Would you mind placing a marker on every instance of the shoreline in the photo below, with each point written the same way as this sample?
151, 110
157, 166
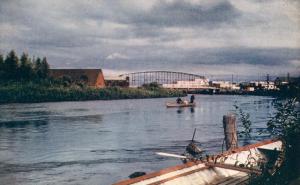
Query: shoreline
36, 93
10, 103
275, 94
32, 92
122, 98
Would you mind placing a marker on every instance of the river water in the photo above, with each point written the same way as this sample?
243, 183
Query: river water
101, 142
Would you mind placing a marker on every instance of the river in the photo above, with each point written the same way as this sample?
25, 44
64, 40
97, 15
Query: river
101, 142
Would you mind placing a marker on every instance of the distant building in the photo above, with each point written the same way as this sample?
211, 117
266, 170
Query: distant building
198, 83
250, 89
258, 85
92, 77
224, 85
279, 81
263, 85
117, 82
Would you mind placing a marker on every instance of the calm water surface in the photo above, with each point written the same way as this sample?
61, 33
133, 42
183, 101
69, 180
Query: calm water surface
101, 142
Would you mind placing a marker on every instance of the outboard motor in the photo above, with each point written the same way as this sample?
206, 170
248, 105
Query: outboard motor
192, 151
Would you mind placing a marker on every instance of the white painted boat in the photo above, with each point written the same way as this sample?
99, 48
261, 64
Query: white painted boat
230, 167
174, 104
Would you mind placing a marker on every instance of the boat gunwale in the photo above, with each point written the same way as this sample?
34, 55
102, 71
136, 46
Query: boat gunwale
172, 104
158, 173
192, 163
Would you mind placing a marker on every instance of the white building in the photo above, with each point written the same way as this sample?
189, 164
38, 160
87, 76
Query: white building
264, 85
198, 83
225, 85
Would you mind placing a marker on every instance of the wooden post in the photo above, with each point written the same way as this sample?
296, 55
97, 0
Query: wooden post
230, 131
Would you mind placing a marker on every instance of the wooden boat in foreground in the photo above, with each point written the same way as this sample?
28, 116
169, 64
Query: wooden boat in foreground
174, 104
230, 167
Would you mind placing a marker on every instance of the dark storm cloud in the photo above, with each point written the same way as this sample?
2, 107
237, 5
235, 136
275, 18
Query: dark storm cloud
217, 56
251, 56
182, 13
176, 14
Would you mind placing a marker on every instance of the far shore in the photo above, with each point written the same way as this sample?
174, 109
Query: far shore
33, 93
39, 92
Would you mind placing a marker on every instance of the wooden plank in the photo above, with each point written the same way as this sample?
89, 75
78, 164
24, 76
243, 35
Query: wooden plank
236, 180
180, 175
230, 180
231, 167
220, 181
248, 147
243, 181
158, 173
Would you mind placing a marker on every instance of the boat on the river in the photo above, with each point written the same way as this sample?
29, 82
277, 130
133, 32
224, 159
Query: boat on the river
234, 166
183, 104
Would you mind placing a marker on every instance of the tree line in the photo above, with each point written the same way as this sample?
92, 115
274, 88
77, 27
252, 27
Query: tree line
13, 68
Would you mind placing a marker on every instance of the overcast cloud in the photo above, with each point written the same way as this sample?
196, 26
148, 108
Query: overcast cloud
199, 36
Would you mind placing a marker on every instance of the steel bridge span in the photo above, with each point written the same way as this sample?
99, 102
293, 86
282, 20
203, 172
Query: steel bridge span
137, 79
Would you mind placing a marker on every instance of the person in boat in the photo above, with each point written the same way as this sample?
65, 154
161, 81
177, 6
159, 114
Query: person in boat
179, 100
192, 98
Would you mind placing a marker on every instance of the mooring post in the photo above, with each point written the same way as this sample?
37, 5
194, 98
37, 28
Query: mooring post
230, 132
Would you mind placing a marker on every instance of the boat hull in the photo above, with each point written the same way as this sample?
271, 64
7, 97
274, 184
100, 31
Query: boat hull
223, 169
172, 104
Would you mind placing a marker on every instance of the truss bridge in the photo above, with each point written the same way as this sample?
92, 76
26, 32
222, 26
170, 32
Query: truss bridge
137, 79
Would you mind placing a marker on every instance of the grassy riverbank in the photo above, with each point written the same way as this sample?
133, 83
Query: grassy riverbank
29, 92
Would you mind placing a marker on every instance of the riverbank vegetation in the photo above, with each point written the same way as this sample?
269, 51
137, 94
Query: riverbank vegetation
46, 91
27, 80
290, 90
285, 125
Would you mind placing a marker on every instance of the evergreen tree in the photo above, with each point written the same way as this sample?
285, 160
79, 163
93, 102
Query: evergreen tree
44, 68
1, 67
11, 65
37, 68
1, 62
26, 71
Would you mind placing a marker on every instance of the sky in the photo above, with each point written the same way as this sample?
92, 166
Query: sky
207, 37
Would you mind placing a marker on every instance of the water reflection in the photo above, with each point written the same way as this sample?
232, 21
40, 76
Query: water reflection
23, 124
87, 118
179, 110
182, 109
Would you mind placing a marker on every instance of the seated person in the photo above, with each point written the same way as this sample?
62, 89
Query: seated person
179, 100
192, 99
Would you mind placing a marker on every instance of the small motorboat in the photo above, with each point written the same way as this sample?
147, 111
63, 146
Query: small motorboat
183, 104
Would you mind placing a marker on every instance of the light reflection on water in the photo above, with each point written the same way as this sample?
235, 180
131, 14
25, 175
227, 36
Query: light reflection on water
101, 142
